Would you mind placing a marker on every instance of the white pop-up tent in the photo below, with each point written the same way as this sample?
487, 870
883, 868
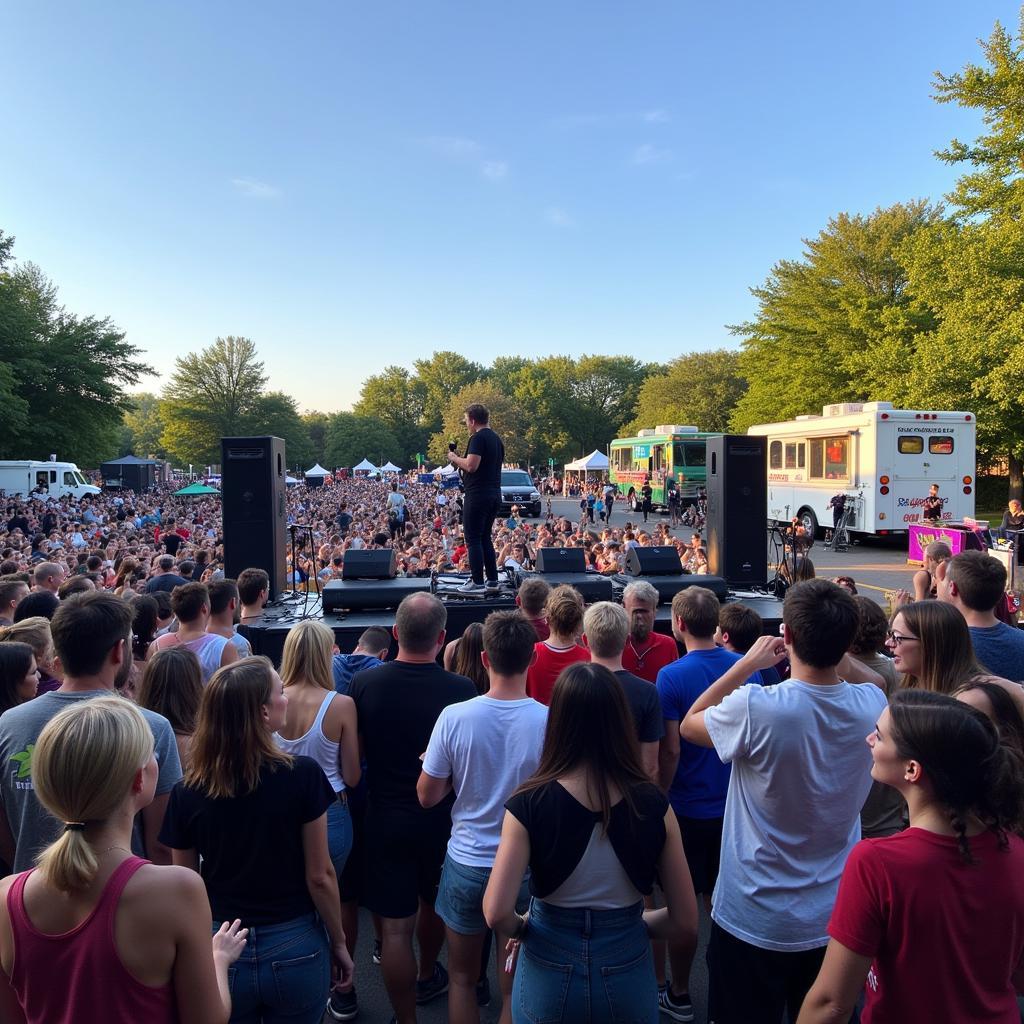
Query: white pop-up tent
315, 477
390, 467
366, 466
446, 470
588, 468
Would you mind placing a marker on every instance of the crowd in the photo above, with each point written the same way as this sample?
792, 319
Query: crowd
189, 832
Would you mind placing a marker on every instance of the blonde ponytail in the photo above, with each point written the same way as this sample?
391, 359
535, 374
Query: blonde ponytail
83, 765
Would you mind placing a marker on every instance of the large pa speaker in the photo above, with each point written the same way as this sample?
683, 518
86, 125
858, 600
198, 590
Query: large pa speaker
369, 564
561, 560
653, 561
591, 586
253, 505
737, 481
367, 595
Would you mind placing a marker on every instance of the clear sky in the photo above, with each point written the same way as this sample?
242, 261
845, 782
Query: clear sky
357, 184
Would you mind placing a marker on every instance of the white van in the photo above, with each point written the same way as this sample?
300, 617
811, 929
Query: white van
44, 480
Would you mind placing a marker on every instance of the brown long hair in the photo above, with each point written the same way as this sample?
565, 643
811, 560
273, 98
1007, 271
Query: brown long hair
467, 657
231, 743
947, 653
590, 726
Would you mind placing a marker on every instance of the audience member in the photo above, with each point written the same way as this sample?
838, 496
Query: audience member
165, 578
646, 652
224, 610
39, 603
532, 598
462, 656
13, 590
872, 631
19, 674
564, 612
172, 686
924, 581
371, 650
253, 592
36, 633
191, 604
931, 647
738, 627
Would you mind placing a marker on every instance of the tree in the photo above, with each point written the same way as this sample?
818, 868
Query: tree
143, 427
316, 426
439, 378
396, 397
350, 438
277, 414
211, 394
701, 388
508, 418
840, 324
63, 378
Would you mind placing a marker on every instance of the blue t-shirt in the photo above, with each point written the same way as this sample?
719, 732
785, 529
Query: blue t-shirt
345, 666
701, 780
1000, 649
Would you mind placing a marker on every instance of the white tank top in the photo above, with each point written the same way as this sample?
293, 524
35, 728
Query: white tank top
316, 745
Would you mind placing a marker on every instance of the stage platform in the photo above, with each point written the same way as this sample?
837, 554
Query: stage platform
267, 633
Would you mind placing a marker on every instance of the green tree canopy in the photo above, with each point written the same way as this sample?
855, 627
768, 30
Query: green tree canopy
276, 413
508, 418
396, 397
441, 377
350, 438
143, 426
701, 389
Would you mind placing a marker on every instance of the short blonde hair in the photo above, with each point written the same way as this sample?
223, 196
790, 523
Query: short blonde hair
83, 766
308, 654
607, 627
35, 632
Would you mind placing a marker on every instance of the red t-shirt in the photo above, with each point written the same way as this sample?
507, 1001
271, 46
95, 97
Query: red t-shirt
647, 659
945, 936
540, 680
540, 627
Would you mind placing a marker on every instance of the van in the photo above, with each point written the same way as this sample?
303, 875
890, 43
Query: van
46, 479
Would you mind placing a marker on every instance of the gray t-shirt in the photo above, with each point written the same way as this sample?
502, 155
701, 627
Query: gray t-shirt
32, 826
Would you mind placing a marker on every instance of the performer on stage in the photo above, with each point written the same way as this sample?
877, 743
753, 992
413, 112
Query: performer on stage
481, 480
931, 510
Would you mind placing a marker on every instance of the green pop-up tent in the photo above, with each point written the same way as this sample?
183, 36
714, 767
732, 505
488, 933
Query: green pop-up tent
196, 489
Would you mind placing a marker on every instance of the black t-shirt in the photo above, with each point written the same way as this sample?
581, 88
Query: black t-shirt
931, 508
344, 520
165, 581
560, 828
485, 443
397, 705
645, 704
172, 541
646, 492
253, 863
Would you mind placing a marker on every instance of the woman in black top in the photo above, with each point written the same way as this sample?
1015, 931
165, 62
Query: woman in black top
594, 832
258, 819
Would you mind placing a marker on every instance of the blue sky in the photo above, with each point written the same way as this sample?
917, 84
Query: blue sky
352, 185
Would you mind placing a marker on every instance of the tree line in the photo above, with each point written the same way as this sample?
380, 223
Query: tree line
920, 303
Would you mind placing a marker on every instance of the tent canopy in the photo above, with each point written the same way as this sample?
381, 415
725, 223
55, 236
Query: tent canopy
132, 460
196, 489
447, 470
596, 460
291, 479
366, 464
318, 470
390, 467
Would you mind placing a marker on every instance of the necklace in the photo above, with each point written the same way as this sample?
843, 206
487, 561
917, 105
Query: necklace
639, 655
109, 848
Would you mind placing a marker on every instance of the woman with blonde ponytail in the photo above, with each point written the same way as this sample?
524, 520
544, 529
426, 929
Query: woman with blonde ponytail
128, 940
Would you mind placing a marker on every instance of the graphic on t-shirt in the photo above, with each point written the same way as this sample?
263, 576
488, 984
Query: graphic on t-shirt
24, 763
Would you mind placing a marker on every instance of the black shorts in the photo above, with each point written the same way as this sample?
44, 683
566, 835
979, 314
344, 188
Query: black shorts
350, 884
771, 980
404, 855
702, 844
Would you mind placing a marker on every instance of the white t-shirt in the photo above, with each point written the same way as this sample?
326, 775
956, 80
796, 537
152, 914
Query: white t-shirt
800, 774
488, 747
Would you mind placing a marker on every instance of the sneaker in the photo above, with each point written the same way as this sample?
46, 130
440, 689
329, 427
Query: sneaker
469, 587
483, 992
376, 952
492, 586
676, 1007
343, 1005
436, 985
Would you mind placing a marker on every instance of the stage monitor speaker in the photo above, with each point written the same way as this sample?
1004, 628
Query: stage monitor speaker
253, 507
653, 561
364, 595
369, 564
561, 560
737, 482
591, 586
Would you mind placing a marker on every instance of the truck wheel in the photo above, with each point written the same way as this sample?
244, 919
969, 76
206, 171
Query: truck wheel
809, 521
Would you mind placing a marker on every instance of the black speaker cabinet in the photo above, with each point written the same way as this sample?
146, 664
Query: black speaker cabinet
591, 586
653, 561
369, 564
561, 560
253, 503
370, 595
737, 468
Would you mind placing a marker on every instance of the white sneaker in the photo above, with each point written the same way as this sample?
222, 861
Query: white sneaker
492, 586
469, 587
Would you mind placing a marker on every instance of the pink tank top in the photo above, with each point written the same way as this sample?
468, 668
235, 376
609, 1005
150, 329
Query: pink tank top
78, 977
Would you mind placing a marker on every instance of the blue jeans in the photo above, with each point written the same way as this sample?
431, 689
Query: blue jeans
339, 835
283, 975
585, 966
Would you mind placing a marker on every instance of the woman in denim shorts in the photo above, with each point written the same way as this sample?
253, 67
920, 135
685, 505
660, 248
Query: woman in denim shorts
594, 832
258, 819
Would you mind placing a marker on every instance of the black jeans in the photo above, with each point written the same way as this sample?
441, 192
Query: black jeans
478, 514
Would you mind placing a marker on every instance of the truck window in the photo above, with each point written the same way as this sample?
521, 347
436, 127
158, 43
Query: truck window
801, 455
791, 455
696, 454
775, 455
658, 456
910, 444
69, 479
42, 479
830, 458
940, 444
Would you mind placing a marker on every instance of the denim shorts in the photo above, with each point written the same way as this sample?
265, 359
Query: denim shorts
339, 835
585, 965
283, 975
460, 897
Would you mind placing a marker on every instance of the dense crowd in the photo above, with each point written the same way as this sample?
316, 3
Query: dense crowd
190, 832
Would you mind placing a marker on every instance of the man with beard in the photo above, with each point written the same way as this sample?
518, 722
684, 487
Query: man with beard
646, 651
92, 635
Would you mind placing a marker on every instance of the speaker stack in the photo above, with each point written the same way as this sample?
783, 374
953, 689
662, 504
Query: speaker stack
368, 583
569, 566
663, 569
253, 506
737, 482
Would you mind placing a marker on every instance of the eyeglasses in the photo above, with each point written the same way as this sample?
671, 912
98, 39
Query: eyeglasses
895, 639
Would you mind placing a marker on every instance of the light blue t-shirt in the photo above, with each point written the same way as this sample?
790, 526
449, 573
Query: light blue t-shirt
1000, 649
489, 748
801, 770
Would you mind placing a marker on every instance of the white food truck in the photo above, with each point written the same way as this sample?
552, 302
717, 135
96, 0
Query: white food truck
44, 479
883, 459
